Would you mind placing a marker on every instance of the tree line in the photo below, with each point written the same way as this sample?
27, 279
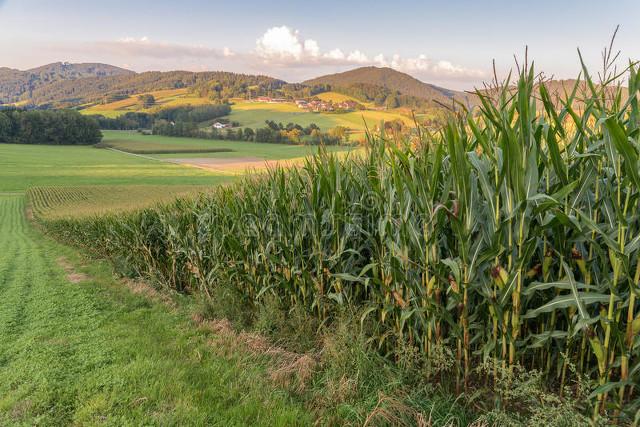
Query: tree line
275, 133
50, 127
176, 115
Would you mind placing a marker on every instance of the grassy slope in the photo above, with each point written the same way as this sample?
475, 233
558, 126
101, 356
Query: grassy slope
134, 140
253, 114
164, 98
94, 353
339, 97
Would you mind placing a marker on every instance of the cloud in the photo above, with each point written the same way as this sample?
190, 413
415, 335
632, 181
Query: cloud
335, 54
143, 46
280, 51
280, 43
357, 57
285, 47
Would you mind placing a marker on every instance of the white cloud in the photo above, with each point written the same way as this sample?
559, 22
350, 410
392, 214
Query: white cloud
335, 54
357, 57
280, 43
311, 48
380, 60
280, 51
285, 47
428, 68
145, 47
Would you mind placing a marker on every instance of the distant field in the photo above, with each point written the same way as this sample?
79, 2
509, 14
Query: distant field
126, 141
339, 97
164, 98
254, 115
25, 166
57, 202
151, 145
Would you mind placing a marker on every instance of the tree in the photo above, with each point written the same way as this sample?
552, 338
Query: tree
146, 101
316, 136
294, 135
5, 128
59, 127
338, 132
248, 134
392, 102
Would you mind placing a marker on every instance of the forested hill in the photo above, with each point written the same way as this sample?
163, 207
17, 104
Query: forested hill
388, 81
16, 85
63, 85
66, 93
95, 89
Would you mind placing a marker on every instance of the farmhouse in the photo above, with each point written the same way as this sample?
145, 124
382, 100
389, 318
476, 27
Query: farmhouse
270, 100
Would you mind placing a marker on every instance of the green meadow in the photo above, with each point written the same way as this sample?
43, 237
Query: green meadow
254, 115
81, 346
25, 166
172, 147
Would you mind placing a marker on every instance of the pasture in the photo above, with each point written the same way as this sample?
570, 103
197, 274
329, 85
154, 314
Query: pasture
164, 147
164, 99
25, 166
254, 115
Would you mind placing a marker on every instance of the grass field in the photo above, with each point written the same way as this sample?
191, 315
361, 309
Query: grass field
164, 98
25, 166
80, 349
339, 97
133, 141
254, 114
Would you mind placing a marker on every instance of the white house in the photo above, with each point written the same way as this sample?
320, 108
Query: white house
218, 125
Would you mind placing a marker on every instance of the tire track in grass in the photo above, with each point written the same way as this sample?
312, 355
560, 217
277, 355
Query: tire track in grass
93, 353
14, 251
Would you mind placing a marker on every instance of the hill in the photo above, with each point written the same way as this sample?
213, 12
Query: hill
211, 84
16, 85
63, 85
372, 82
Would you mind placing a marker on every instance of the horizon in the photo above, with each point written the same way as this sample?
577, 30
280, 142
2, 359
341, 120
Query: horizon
293, 42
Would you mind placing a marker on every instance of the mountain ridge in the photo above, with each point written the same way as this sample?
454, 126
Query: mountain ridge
14, 83
62, 84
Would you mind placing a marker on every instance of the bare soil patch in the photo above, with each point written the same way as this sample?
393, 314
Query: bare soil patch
140, 287
290, 370
72, 275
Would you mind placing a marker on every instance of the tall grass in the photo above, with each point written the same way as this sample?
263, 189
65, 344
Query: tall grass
512, 237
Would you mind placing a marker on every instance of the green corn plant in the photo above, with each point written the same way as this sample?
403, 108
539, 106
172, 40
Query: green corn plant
511, 235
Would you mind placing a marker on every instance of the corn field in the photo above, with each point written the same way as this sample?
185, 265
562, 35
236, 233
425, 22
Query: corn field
512, 236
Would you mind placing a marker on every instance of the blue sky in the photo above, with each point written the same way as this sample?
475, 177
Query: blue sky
449, 43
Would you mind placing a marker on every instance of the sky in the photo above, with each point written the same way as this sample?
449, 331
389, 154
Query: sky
448, 43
